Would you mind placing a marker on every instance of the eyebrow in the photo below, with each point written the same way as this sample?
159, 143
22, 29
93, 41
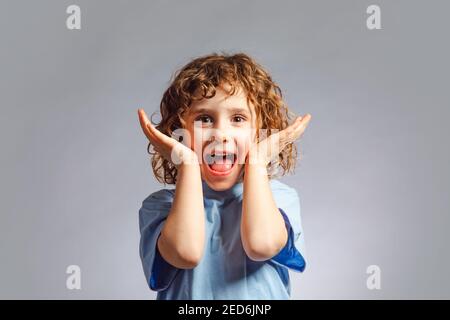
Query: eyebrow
230, 110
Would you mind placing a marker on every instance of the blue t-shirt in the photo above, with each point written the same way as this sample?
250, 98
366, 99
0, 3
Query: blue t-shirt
225, 271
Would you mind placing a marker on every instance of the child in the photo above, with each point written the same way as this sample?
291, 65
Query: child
228, 230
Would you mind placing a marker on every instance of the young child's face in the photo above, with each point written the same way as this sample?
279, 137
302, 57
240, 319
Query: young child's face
222, 125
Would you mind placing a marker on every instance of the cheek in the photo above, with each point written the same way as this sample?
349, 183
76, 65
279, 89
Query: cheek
201, 142
244, 140
196, 140
197, 145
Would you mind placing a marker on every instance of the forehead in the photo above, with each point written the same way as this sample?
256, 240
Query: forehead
222, 101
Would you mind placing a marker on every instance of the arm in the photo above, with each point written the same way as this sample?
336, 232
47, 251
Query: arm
182, 238
263, 231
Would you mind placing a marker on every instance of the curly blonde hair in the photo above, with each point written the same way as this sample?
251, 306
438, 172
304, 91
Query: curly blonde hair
199, 79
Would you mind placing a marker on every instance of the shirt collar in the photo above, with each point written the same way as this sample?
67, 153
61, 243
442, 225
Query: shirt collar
233, 192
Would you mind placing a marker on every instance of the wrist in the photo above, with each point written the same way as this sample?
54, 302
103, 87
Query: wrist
182, 157
255, 165
188, 168
254, 160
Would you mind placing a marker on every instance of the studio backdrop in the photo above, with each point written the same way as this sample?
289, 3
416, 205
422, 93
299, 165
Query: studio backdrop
373, 179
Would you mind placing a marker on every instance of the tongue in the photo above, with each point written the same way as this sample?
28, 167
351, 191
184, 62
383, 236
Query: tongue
221, 166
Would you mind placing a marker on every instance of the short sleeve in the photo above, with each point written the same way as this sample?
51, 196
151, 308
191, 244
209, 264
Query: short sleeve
293, 253
152, 215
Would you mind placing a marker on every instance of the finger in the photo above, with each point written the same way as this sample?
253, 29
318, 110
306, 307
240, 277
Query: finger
305, 121
158, 135
149, 127
302, 126
293, 127
307, 118
143, 119
288, 133
296, 121
296, 129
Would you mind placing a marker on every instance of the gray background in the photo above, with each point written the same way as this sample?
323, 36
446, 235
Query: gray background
374, 179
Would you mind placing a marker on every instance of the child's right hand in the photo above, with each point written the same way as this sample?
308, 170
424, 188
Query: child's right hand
169, 148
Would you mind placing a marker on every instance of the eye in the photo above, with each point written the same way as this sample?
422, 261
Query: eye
203, 118
239, 119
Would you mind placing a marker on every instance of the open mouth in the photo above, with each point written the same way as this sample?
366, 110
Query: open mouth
220, 163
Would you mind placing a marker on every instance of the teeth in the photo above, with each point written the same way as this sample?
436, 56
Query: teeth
222, 154
228, 155
219, 157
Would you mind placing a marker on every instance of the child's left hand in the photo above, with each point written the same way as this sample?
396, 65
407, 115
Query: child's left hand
269, 148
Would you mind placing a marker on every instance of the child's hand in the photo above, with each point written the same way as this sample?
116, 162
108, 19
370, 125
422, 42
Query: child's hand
169, 148
269, 148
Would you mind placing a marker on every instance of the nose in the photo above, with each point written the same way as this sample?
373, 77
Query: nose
220, 136
220, 131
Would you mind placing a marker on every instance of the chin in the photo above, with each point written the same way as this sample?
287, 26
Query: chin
222, 182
